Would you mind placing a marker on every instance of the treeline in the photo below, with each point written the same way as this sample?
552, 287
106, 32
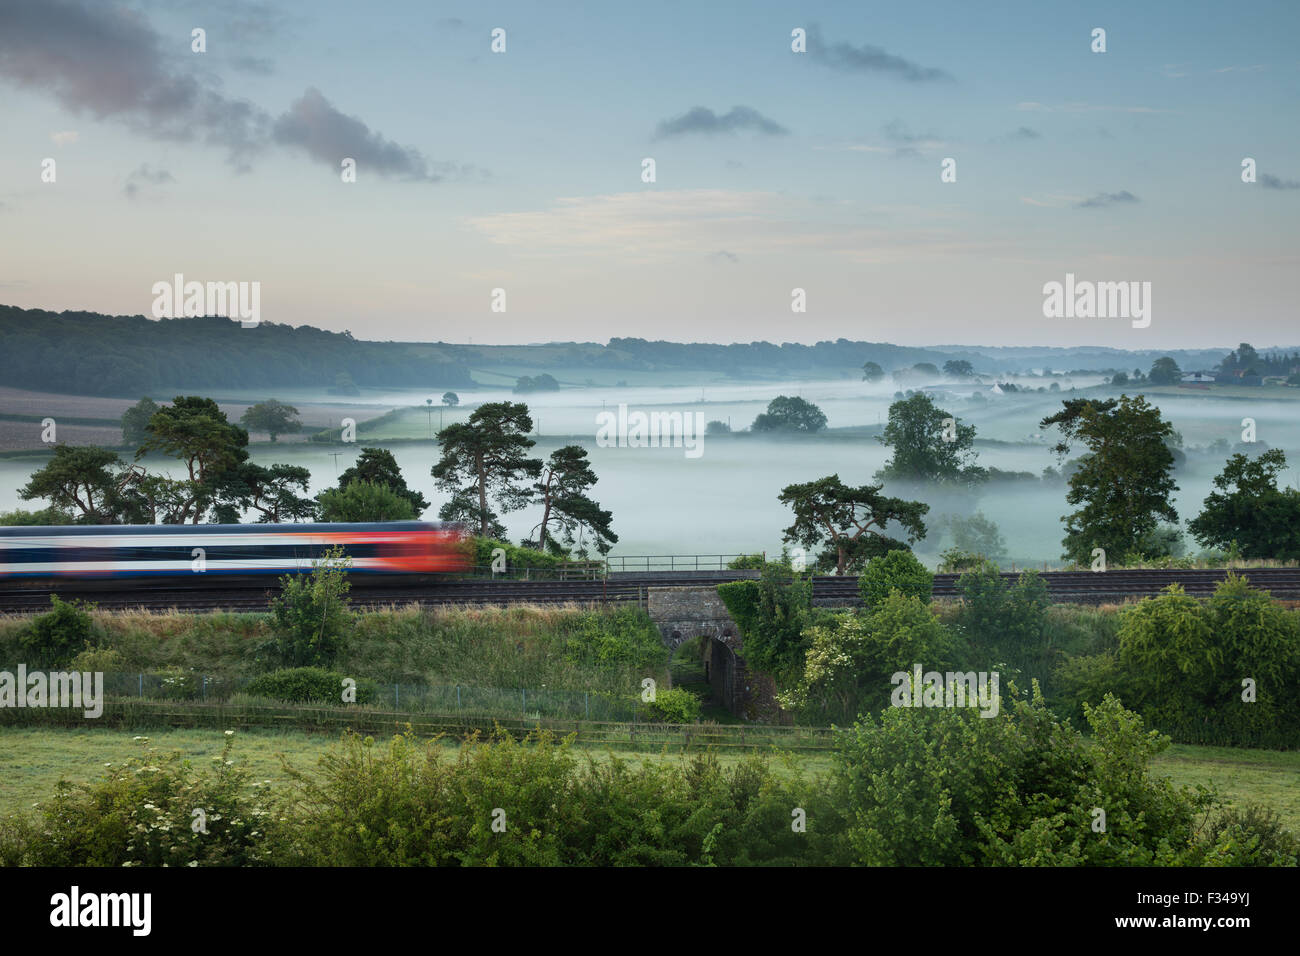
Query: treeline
87, 353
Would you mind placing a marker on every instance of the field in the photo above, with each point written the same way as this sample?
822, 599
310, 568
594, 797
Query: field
32, 761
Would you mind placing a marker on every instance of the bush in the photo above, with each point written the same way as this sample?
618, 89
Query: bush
894, 571
142, 813
310, 615
947, 787
673, 706
771, 614
56, 637
308, 685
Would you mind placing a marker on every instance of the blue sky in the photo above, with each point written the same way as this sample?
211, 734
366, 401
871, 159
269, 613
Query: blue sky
775, 170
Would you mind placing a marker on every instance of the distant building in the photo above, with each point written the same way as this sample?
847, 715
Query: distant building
1198, 377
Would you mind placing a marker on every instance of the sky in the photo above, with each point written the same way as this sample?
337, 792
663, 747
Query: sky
775, 170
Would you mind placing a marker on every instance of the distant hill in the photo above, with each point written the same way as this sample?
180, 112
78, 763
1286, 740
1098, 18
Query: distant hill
86, 353
92, 354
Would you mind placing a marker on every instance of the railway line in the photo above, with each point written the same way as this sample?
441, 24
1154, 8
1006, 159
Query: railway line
1081, 587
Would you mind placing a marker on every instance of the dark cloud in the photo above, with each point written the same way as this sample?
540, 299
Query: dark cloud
1269, 181
144, 176
1107, 199
1022, 134
868, 59
313, 125
107, 61
703, 120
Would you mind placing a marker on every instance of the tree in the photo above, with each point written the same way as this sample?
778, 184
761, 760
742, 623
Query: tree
790, 414
717, 428
562, 491
485, 457
343, 385
958, 368
268, 491
976, 535
196, 431
1249, 509
363, 501
929, 445
379, 466
542, 383
271, 417
1124, 483
81, 478
849, 522
1165, 371
135, 422
450, 399
871, 372
1119, 378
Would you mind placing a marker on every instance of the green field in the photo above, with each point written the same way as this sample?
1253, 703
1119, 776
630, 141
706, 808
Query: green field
32, 761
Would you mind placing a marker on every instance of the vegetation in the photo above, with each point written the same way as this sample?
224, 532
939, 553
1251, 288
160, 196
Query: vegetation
1124, 484
364, 501
310, 614
790, 414
929, 445
1249, 512
561, 490
124, 355
485, 458
848, 523
272, 417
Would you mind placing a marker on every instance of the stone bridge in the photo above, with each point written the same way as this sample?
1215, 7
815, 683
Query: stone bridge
684, 613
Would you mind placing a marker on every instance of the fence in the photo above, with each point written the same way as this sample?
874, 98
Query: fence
523, 702
670, 562
137, 713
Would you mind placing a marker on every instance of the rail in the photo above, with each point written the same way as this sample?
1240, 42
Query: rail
669, 562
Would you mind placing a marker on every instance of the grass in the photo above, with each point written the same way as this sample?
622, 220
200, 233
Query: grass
33, 760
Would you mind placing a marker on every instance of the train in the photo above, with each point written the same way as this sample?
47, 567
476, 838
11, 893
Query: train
231, 554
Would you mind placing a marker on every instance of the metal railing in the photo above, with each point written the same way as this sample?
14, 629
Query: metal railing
670, 562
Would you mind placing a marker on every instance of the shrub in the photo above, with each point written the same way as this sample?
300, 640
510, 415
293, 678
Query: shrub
57, 636
142, 813
308, 685
947, 787
771, 614
310, 615
894, 571
673, 706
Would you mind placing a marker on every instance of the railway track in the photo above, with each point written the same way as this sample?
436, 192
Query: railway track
828, 591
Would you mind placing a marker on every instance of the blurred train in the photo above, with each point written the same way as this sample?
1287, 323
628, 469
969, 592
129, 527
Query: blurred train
225, 554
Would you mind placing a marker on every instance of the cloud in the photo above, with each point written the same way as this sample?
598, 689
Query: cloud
1107, 199
144, 176
313, 125
108, 62
450, 23
703, 120
725, 255
65, 138
1269, 181
868, 59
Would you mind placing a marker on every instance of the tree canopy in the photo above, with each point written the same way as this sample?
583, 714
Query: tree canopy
848, 523
1124, 484
485, 457
929, 444
790, 414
